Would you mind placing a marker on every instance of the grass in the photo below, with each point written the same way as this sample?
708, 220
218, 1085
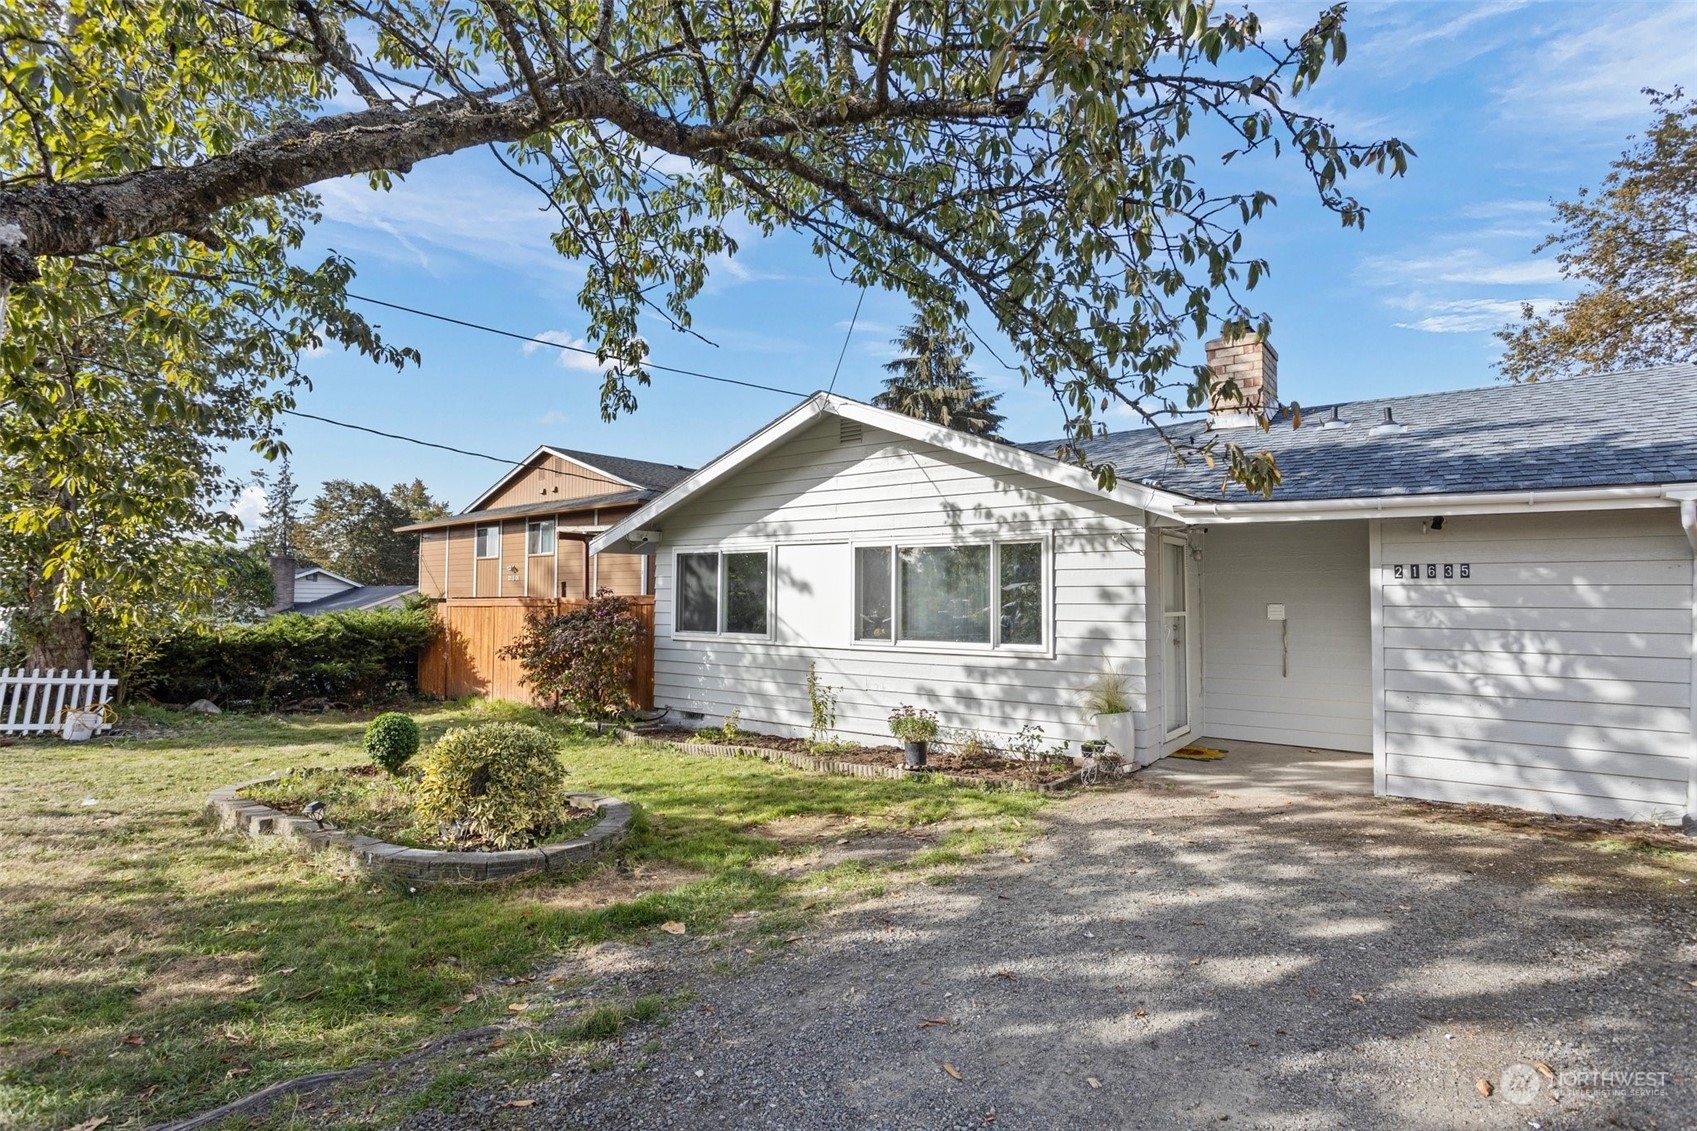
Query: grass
152, 967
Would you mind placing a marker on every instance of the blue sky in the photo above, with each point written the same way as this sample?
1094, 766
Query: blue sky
1507, 104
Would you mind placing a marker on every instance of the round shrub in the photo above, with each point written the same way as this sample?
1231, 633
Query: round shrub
391, 739
495, 783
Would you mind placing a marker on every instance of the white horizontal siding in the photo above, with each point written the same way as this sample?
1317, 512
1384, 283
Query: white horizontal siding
1318, 571
1557, 676
816, 490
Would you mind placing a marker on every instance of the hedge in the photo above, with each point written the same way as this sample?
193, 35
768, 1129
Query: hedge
353, 658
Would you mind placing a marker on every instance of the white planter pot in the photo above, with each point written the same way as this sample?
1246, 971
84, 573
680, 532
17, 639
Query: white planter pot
1120, 732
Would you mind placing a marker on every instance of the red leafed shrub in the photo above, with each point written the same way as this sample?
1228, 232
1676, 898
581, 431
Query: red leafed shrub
582, 660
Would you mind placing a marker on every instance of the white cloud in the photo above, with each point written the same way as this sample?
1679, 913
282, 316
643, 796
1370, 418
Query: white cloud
249, 507
451, 208
552, 418
1590, 67
1470, 316
571, 357
1469, 266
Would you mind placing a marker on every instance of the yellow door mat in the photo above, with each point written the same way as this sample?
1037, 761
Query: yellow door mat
1199, 754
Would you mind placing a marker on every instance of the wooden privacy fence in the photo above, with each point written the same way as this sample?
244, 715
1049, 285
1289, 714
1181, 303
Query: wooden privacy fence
35, 701
465, 658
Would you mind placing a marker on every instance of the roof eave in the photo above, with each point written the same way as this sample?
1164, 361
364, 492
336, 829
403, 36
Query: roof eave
1406, 506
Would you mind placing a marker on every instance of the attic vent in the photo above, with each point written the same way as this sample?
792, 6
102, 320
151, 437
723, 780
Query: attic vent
849, 432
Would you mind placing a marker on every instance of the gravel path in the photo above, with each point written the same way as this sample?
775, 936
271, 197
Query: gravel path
1168, 958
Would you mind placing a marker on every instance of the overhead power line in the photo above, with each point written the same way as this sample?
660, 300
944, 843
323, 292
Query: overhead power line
569, 348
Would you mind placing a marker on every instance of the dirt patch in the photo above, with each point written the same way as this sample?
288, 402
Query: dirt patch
1628, 835
195, 980
986, 766
618, 884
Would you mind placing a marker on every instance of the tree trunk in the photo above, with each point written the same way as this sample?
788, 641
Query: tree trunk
60, 640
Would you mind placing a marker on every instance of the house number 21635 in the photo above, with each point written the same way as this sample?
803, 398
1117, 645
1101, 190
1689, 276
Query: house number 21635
1431, 571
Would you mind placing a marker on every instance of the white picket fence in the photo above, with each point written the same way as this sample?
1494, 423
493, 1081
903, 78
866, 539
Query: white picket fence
35, 701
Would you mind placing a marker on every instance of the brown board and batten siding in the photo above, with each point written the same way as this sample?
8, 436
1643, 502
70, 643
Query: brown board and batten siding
551, 478
837, 483
1555, 676
512, 558
432, 563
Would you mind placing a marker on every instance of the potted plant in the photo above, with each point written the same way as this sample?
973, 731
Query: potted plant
915, 726
1106, 703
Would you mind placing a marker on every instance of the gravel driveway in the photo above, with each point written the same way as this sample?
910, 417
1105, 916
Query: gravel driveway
1169, 958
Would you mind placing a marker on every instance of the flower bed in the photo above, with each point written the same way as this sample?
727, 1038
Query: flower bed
367, 801
985, 769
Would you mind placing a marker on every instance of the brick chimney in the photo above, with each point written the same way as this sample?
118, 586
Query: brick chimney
282, 583
1254, 365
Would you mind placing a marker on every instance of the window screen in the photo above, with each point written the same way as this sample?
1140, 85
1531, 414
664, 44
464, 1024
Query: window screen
745, 592
872, 603
1020, 565
698, 592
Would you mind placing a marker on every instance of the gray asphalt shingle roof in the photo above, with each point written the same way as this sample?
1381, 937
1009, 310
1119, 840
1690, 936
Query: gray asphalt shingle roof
1607, 430
655, 476
356, 598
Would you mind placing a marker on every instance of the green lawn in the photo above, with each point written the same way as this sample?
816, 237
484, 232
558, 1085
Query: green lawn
152, 967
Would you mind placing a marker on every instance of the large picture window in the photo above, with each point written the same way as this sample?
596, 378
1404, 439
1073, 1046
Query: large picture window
981, 594
726, 593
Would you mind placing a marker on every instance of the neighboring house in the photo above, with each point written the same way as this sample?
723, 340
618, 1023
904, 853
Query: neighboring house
317, 590
520, 548
1489, 591
528, 535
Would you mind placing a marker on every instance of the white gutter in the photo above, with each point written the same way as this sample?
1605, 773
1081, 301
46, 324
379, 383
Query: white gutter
1403, 506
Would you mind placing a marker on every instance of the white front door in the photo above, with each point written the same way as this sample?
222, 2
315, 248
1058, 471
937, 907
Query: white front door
1176, 635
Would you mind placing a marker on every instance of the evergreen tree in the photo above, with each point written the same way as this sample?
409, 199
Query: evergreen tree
930, 381
279, 533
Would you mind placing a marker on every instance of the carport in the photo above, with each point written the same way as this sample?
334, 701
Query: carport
1269, 654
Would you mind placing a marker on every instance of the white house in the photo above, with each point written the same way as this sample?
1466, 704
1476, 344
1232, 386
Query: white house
316, 590
1489, 591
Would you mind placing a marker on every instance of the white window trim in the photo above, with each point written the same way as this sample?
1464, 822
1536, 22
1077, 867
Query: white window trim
479, 528
733, 548
553, 537
1044, 539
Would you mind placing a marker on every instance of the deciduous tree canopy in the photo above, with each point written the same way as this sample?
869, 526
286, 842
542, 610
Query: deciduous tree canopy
1632, 245
1043, 158
350, 529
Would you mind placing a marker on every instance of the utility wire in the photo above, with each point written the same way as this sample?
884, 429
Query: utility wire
846, 337
432, 444
581, 349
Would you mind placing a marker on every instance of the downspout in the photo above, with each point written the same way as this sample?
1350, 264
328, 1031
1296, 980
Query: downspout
1688, 520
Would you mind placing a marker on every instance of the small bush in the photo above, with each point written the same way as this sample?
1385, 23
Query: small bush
391, 739
582, 660
498, 784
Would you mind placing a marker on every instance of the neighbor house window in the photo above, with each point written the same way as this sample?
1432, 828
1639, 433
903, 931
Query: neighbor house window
539, 537
488, 541
727, 592
984, 594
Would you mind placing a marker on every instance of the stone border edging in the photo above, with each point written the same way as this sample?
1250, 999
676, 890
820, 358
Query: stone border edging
232, 811
832, 766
